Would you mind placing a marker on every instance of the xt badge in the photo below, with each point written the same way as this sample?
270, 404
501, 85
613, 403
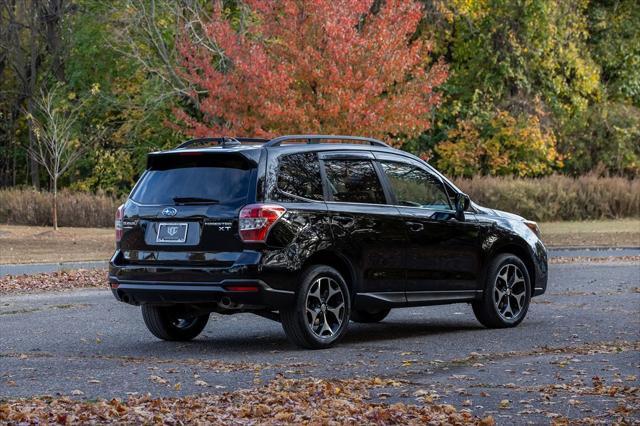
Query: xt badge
222, 226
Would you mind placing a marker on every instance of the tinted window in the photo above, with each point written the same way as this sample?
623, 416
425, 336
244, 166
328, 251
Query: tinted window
415, 187
354, 181
299, 174
223, 179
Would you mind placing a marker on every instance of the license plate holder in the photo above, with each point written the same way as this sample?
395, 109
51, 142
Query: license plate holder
172, 233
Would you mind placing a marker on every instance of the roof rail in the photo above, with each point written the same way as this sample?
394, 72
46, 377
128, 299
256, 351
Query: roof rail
318, 138
222, 141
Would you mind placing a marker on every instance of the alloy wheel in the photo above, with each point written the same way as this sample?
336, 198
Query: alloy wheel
325, 307
510, 290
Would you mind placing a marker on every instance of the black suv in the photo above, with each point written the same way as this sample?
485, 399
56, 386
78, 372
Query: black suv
313, 231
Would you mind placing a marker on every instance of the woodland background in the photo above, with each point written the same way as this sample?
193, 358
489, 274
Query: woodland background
521, 98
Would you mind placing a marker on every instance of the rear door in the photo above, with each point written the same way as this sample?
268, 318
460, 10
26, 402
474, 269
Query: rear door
365, 227
184, 209
443, 254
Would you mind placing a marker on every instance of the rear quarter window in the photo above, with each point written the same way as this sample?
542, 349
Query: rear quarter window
299, 175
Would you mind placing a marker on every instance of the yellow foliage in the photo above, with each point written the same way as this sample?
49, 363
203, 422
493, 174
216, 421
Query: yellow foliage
501, 145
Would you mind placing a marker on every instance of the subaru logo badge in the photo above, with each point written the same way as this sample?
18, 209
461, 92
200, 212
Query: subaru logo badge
169, 211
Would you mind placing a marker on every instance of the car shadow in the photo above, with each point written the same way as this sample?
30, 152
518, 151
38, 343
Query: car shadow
399, 330
273, 339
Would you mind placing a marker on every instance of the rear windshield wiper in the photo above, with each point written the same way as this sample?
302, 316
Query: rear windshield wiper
194, 200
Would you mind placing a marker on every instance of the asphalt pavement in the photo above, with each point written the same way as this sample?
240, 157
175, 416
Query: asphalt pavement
84, 344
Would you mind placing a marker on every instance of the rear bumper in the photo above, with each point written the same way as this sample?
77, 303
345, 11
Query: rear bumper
166, 284
141, 292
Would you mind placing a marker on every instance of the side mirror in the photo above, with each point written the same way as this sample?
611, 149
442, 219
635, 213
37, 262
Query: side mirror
462, 204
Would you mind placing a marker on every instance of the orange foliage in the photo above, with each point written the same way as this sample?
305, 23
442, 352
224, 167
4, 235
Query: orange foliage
314, 67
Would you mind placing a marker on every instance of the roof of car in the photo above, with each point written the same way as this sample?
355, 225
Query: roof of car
285, 144
251, 146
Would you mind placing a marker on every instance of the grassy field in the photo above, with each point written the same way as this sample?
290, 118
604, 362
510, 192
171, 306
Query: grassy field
35, 244
596, 233
31, 244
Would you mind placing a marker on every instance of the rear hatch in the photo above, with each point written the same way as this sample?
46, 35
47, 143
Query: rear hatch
184, 209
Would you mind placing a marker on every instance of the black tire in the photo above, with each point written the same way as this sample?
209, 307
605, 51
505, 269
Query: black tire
167, 323
296, 320
489, 309
368, 316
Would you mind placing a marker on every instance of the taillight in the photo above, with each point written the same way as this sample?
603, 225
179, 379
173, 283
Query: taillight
256, 220
118, 223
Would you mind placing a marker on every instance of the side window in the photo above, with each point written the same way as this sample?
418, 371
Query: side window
299, 175
415, 187
354, 181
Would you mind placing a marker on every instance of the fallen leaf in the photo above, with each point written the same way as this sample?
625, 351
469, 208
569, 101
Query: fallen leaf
158, 379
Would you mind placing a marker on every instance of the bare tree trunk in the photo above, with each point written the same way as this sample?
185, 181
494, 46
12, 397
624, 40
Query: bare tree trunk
15, 167
55, 203
35, 171
33, 164
53, 11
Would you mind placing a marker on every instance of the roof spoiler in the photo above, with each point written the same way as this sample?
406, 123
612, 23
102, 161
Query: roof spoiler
173, 159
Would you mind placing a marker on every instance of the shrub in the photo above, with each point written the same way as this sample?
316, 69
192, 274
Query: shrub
29, 207
557, 197
544, 199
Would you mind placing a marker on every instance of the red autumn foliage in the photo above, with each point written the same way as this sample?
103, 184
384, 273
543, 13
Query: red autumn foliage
314, 67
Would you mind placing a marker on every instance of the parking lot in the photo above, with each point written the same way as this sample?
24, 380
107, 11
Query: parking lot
576, 355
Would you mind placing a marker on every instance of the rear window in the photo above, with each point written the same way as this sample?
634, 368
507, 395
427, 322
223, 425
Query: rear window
224, 179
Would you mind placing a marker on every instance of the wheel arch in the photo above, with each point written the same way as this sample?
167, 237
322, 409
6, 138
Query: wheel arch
336, 261
521, 252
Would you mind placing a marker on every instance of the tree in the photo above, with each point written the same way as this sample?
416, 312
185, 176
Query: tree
526, 58
345, 66
499, 144
31, 41
56, 147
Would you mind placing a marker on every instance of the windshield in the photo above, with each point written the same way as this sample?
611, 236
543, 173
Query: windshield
184, 180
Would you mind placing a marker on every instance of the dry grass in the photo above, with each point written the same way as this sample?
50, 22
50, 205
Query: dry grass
35, 244
552, 198
598, 233
558, 198
29, 207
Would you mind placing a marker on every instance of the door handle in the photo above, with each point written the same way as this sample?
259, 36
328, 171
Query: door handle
415, 226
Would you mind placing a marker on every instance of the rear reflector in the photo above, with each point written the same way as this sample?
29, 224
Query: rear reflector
257, 219
241, 287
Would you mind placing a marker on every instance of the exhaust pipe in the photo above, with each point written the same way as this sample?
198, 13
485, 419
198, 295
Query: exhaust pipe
227, 303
